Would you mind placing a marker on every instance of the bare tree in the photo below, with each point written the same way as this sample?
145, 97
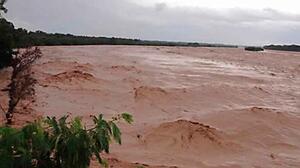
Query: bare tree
22, 82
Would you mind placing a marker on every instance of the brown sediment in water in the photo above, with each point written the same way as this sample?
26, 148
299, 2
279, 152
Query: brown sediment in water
192, 107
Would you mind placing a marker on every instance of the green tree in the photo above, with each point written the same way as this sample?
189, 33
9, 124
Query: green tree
6, 38
6, 43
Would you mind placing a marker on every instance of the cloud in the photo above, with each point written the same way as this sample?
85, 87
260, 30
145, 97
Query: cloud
125, 18
160, 6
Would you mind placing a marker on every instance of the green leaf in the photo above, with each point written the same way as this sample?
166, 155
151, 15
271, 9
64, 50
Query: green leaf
127, 117
76, 124
116, 133
104, 163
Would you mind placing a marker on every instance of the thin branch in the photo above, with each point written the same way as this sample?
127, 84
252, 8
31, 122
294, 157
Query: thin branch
2, 109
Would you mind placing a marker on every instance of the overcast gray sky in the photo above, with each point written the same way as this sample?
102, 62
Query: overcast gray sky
251, 22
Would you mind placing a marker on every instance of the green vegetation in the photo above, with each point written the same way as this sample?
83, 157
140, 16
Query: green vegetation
283, 47
57, 143
6, 44
6, 38
254, 49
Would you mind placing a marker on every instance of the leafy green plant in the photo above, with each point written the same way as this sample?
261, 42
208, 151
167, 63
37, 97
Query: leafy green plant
59, 143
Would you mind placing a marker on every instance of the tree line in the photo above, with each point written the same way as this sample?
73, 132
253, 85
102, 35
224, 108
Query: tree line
283, 47
23, 38
12, 37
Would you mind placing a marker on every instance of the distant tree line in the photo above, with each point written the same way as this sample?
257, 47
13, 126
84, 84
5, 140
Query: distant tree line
10, 38
254, 48
24, 38
6, 38
283, 47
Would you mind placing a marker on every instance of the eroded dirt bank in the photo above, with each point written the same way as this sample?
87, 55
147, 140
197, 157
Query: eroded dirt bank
193, 107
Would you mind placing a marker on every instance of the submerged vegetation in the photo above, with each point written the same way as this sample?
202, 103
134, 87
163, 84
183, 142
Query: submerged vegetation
59, 143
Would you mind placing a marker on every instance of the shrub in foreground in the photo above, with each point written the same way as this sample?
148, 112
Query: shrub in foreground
58, 143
